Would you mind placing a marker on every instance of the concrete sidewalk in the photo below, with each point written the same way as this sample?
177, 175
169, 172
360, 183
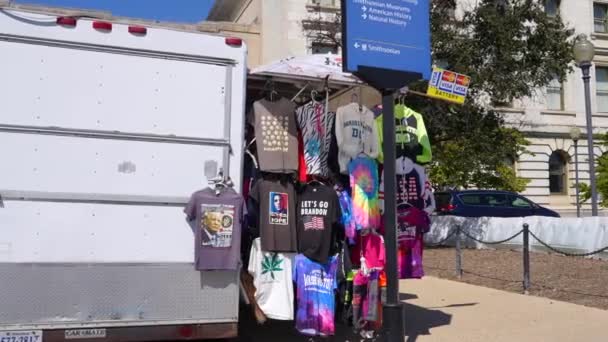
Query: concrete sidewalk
443, 310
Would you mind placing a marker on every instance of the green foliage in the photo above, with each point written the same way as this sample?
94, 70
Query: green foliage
509, 48
601, 179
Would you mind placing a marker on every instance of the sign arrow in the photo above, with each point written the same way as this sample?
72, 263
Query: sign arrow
357, 45
364, 8
364, 16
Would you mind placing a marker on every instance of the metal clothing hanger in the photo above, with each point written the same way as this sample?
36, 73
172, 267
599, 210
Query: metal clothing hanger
270, 90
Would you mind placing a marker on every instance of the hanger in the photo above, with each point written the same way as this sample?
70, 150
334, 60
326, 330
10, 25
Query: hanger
313, 96
315, 179
404, 205
270, 90
355, 99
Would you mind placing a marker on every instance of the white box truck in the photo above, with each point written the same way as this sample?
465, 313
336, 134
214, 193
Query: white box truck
105, 128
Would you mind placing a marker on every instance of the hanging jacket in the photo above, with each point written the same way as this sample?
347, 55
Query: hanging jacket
411, 138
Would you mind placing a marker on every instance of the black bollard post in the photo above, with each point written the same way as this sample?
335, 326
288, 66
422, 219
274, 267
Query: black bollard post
458, 254
526, 258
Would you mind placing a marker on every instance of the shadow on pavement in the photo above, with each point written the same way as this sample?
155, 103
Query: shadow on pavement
418, 321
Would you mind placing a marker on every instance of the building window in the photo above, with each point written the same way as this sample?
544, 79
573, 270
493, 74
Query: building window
323, 48
326, 3
552, 7
601, 78
600, 13
558, 173
555, 95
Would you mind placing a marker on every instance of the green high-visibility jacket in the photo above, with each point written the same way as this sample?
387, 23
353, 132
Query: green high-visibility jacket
411, 137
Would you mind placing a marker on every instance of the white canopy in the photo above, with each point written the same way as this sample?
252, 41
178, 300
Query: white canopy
309, 68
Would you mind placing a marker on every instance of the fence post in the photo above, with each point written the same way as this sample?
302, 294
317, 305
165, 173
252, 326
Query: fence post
526, 258
458, 254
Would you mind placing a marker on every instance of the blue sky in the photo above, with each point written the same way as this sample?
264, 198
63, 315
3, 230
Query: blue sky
190, 11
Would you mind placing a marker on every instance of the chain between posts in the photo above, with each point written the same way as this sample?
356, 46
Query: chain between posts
566, 253
492, 242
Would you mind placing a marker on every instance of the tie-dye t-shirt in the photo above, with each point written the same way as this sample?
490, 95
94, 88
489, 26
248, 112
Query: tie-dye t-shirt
364, 182
316, 284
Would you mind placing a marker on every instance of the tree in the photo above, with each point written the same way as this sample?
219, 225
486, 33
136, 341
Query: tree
601, 180
509, 48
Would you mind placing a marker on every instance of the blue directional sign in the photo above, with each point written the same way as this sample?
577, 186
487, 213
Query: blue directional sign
387, 34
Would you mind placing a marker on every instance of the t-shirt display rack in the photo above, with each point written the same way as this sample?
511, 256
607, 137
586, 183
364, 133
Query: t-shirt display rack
308, 224
338, 256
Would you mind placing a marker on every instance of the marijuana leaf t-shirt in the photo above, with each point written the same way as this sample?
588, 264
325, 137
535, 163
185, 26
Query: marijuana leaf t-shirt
272, 273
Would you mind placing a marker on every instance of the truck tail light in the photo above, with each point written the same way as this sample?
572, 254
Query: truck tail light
138, 30
235, 42
66, 21
186, 331
102, 25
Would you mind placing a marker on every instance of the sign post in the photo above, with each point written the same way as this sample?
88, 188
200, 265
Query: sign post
387, 44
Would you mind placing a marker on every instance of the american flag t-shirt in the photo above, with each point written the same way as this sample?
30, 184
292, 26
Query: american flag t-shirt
313, 222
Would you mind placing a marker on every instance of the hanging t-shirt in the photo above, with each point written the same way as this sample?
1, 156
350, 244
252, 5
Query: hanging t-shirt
369, 246
355, 133
410, 223
318, 221
411, 185
276, 204
348, 221
272, 278
276, 135
364, 183
411, 136
216, 220
316, 125
316, 284
409, 260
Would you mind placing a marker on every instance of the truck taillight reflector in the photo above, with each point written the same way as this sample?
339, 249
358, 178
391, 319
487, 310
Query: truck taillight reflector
186, 331
231, 41
138, 30
66, 21
102, 25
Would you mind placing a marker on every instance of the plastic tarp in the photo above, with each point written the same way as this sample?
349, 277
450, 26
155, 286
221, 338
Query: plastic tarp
311, 67
572, 235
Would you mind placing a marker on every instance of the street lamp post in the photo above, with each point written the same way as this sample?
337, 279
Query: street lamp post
583, 54
575, 134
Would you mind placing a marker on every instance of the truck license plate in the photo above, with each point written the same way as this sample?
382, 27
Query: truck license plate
21, 336
84, 334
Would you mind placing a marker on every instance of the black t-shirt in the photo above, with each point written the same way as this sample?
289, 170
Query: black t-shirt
318, 222
275, 204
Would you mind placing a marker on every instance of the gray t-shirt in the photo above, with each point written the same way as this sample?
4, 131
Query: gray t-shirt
276, 135
277, 215
216, 220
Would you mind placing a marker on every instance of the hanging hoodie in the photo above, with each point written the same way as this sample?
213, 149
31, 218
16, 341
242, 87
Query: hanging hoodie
356, 132
411, 138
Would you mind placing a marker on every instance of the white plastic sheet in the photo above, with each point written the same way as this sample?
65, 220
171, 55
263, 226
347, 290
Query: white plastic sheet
572, 235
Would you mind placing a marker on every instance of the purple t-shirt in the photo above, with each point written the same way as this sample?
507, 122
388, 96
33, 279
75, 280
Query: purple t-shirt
316, 284
216, 221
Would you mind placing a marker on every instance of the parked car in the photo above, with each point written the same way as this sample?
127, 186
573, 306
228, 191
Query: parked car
488, 203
